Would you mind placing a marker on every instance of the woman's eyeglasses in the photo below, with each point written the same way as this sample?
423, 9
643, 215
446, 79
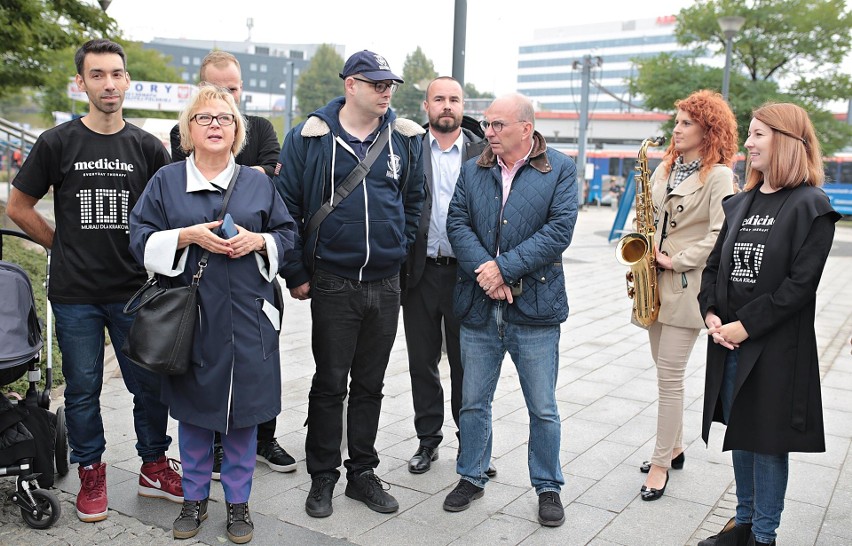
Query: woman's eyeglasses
206, 119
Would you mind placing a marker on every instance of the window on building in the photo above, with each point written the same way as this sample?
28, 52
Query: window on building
263, 68
253, 67
262, 83
185, 76
253, 82
184, 59
196, 61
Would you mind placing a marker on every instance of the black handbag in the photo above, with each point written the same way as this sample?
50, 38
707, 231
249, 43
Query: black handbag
160, 338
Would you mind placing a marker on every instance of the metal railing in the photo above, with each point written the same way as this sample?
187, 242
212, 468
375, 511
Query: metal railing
14, 137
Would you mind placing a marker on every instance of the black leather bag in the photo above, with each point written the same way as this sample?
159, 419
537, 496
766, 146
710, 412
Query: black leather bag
160, 338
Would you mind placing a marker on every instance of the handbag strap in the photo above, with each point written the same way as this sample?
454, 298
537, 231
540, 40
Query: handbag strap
349, 183
202, 263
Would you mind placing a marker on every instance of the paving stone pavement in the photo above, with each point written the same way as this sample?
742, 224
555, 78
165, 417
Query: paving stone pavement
607, 402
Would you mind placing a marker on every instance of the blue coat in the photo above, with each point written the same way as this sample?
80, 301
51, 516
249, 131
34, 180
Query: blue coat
533, 231
366, 237
235, 377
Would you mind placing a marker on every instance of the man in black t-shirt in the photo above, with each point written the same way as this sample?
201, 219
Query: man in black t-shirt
97, 166
260, 152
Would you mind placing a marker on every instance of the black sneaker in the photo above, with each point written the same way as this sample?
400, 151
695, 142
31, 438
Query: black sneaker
370, 489
318, 504
218, 455
188, 523
274, 455
731, 534
460, 498
240, 527
550, 510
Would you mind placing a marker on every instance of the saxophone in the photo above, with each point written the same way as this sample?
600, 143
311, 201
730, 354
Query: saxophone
636, 250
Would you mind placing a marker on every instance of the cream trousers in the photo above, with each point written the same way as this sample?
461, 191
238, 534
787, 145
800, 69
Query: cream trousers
670, 349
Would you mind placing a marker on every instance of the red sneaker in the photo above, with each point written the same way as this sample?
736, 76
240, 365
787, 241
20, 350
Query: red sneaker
92, 498
160, 481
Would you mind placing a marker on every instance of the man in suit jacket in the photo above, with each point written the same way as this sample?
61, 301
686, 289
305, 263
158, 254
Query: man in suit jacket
431, 270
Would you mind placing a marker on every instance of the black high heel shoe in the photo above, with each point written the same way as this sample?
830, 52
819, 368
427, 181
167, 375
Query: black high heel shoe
677, 463
651, 494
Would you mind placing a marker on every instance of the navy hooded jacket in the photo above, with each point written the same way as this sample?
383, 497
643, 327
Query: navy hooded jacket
367, 236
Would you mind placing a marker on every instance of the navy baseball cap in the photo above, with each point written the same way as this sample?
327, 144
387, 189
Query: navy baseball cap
370, 65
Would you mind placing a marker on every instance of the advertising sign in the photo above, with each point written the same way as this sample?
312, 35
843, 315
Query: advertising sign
167, 97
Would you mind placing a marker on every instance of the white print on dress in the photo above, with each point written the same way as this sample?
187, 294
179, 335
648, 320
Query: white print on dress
757, 220
748, 258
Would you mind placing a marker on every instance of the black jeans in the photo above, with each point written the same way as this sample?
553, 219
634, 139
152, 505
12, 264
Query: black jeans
428, 307
354, 327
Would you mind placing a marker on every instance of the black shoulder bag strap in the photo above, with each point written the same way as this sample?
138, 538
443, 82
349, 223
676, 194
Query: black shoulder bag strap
138, 299
202, 263
349, 183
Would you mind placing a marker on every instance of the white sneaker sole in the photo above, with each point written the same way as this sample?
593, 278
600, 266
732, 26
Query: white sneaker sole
152, 493
91, 518
277, 467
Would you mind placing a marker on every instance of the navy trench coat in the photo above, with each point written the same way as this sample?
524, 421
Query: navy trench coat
235, 377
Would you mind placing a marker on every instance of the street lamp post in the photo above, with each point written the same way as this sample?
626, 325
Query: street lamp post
730, 26
291, 92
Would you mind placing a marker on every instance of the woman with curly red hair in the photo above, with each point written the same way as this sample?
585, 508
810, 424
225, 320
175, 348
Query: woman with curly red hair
687, 191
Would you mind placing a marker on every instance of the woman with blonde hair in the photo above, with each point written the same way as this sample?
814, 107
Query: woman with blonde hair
234, 380
687, 191
758, 299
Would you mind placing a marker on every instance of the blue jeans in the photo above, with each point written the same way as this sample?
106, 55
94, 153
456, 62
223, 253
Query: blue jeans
354, 328
761, 478
80, 332
535, 352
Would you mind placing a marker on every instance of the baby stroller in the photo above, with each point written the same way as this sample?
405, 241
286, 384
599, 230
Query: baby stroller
31, 437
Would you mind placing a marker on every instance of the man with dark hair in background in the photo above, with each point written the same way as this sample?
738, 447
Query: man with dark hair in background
431, 271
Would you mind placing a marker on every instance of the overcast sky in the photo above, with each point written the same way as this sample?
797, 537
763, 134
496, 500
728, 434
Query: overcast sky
495, 28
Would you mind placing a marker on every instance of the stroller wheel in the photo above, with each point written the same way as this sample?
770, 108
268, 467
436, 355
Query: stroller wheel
61, 444
45, 512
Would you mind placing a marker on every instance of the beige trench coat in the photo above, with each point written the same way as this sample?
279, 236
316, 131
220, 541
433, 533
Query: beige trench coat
693, 216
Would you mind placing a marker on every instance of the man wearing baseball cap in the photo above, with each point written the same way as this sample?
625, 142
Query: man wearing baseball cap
354, 237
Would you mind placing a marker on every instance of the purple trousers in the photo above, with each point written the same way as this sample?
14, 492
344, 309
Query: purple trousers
196, 456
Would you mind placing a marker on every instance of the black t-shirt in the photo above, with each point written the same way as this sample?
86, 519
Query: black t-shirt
96, 181
750, 246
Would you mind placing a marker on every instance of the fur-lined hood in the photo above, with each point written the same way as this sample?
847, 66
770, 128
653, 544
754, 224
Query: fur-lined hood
319, 122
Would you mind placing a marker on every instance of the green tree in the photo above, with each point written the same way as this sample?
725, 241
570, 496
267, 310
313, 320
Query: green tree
142, 64
320, 82
788, 50
470, 92
32, 30
780, 38
417, 72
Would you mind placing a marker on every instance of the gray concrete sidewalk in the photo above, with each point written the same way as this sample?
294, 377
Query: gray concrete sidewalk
607, 401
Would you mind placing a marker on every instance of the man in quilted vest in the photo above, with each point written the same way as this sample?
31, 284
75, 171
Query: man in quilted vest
511, 218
